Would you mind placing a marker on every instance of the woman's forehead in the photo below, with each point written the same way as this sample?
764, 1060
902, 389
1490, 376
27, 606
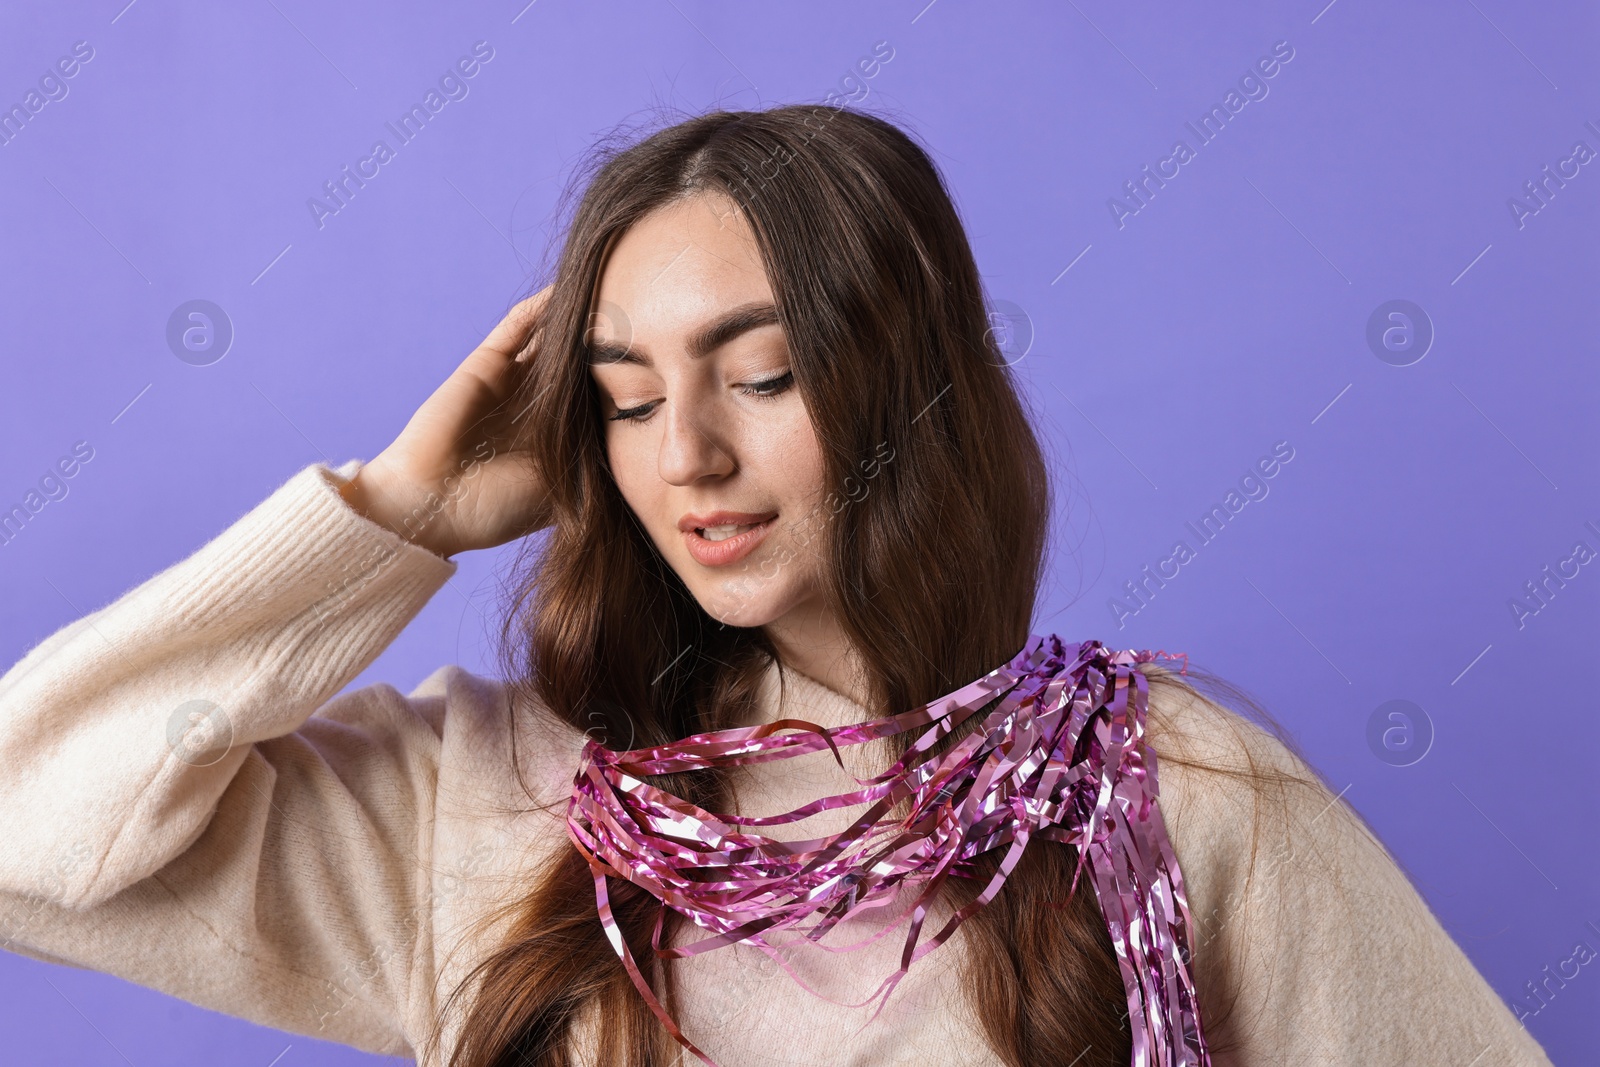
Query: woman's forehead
673, 272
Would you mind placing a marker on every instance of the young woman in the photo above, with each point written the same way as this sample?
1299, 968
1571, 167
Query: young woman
787, 486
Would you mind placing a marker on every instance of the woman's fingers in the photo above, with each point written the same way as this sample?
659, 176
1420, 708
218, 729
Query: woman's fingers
525, 316
492, 362
506, 342
445, 436
511, 332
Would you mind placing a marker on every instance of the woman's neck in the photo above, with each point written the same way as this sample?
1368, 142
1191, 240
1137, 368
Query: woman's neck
812, 643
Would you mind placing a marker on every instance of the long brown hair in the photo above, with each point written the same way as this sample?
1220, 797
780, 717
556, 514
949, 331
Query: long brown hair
933, 566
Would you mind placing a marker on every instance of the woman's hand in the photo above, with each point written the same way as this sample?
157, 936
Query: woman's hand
450, 481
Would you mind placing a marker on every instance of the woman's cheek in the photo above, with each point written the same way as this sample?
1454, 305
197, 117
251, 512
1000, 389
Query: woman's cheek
633, 481
797, 458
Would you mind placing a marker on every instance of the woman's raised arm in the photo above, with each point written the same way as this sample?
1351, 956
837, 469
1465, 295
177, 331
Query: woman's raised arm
185, 803
168, 813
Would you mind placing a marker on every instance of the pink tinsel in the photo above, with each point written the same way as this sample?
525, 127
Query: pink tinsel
1045, 763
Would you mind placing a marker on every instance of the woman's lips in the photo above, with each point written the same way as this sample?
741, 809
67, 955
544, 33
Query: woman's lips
729, 550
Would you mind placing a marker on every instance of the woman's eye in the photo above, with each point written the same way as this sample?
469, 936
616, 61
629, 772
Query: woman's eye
769, 387
766, 389
638, 414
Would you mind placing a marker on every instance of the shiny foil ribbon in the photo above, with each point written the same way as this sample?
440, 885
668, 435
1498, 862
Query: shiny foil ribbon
1061, 756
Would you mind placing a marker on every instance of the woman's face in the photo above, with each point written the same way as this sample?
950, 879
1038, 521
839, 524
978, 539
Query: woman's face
708, 439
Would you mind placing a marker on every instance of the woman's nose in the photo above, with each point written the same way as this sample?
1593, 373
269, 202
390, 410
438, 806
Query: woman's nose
691, 445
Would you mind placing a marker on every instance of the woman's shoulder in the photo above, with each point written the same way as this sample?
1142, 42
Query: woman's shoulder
1195, 727
1243, 806
1214, 762
1310, 942
493, 738
490, 748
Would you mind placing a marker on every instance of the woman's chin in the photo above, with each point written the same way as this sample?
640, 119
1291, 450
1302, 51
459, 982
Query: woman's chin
743, 601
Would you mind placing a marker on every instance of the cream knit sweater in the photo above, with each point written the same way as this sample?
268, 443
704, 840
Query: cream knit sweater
185, 803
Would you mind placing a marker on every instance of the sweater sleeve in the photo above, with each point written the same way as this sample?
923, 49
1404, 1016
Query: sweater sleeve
1310, 943
186, 805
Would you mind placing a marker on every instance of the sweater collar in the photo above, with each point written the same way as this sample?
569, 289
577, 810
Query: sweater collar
805, 697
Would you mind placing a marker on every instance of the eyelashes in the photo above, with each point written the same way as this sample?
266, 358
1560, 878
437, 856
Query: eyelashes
778, 385
766, 389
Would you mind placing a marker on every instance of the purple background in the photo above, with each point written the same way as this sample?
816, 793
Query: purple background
1228, 314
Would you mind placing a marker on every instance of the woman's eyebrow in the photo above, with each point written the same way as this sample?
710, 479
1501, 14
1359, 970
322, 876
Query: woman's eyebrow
706, 339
